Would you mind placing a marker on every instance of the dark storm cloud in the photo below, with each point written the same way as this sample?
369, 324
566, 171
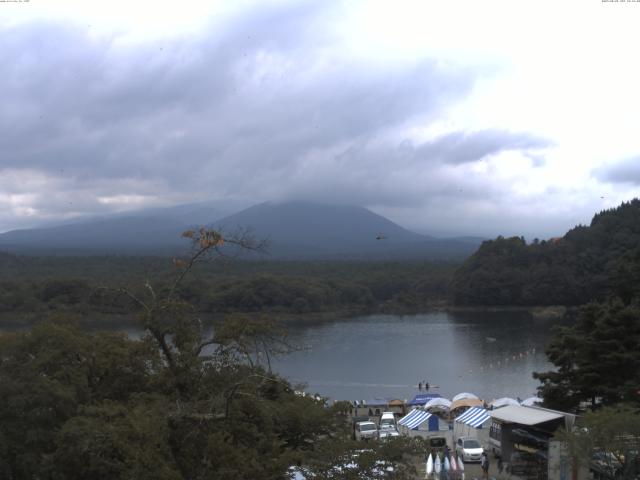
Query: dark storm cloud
93, 105
267, 106
623, 171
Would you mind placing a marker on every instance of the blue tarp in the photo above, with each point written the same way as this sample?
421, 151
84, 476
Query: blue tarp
474, 417
415, 418
423, 398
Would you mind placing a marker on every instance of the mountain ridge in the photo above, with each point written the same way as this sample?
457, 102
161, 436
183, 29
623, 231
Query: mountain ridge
296, 230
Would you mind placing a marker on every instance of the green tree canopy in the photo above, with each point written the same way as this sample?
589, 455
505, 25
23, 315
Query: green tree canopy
589, 263
184, 402
597, 359
606, 440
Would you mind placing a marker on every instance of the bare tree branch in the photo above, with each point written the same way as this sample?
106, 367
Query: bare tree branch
128, 293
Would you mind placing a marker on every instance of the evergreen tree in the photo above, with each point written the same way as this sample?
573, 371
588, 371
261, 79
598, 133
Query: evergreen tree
587, 264
597, 359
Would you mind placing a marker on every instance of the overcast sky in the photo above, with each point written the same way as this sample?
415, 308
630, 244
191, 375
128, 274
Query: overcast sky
475, 118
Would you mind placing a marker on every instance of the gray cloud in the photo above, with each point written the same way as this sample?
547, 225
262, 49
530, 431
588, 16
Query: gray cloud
406, 174
249, 110
464, 147
623, 171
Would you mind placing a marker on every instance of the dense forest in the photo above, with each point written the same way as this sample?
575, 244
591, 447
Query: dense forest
182, 402
188, 402
596, 359
590, 263
32, 286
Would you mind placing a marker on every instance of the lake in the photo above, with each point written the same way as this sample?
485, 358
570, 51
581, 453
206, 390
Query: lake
491, 354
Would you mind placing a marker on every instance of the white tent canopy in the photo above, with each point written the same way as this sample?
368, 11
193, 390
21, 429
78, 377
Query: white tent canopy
438, 402
462, 395
503, 402
531, 401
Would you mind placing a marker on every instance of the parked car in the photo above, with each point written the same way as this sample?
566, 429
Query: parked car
469, 449
387, 420
357, 420
366, 431
387, 428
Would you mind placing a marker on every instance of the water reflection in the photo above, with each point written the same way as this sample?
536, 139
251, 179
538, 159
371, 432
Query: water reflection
490, 354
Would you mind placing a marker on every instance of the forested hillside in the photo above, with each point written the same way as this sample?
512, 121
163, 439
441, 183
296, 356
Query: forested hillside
32, 286
589, 263
184, 402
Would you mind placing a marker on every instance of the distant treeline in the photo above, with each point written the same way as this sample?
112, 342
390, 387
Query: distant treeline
89, 285
590, 263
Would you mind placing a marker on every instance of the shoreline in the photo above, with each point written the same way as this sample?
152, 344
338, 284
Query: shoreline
119, 320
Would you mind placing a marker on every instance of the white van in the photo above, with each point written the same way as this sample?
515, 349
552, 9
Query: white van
387, 421
388, 426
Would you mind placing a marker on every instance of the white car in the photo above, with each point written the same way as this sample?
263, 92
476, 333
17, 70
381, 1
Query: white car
469, 449
366, 431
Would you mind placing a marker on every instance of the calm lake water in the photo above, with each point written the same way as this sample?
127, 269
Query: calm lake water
490, 354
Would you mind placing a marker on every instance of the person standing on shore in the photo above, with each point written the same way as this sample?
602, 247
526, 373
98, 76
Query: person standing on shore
420, 386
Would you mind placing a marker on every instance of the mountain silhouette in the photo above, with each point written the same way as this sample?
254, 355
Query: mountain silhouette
294, 230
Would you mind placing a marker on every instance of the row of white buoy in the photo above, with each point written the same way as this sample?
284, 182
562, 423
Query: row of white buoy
506, 361
449, 464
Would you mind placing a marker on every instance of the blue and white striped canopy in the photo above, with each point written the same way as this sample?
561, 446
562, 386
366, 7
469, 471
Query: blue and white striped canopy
414, 419
474, 417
